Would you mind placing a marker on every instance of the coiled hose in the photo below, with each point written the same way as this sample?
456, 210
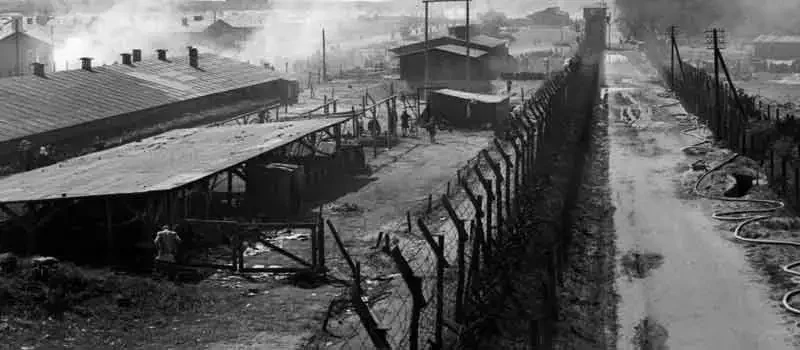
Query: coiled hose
745, 216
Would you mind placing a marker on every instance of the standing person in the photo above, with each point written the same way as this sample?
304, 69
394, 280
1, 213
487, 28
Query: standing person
431, 127
404, 119
167, 242
392, 122
25, 155
374, 128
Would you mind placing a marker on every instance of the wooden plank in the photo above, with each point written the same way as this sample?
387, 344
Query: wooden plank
285, 253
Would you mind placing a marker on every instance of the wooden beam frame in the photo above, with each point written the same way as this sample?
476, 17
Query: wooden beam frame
243, 229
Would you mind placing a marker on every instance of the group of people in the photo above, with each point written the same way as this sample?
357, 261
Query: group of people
428, 121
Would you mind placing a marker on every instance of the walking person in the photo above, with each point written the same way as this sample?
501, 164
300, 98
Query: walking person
404, 122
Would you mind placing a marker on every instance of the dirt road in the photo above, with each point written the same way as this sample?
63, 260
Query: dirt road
683, 284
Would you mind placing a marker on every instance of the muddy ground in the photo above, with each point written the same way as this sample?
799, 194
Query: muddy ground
588, 315
684, 282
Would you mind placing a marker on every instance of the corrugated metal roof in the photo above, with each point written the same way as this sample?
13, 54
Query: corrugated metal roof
777, 39
159, 163
486, 40
460, 50
245, 20
483, 42
483, 98
31, 105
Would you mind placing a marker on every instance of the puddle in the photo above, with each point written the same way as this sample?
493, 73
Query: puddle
650, 335
741, 187
638, 265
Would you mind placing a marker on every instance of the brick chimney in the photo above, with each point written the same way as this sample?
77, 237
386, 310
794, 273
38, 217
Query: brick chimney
38, 69
193, 57
126, 59
162, 54
137, 55
86, 63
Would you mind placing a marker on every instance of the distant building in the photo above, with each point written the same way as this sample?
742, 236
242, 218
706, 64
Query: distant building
461, 31
447, 61
20, 49
230, 32
140, 97
775, 47
447, 68
551, 16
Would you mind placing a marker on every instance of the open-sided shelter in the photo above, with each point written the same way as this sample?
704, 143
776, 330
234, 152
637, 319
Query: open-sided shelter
112, 199
470, 110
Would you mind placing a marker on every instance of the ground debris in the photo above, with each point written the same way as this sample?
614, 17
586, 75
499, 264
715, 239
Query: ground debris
337, 207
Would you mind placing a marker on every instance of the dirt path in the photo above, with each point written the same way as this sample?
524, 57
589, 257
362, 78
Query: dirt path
682, 284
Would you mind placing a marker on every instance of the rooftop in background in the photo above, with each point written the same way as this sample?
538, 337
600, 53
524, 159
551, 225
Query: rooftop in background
777, 39
33, 104
159, 163
460, 50
483, 42
33, 30
488, 41
482, 98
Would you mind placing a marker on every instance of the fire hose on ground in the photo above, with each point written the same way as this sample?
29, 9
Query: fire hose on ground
744, 217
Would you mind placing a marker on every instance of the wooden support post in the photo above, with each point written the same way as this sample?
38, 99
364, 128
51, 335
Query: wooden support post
110, 244
230, 190
408, 221
314, 253
342, 248
321, 241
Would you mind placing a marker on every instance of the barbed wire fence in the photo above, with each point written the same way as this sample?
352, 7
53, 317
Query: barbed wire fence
445, 240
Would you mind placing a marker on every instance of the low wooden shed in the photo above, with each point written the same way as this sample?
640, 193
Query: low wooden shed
470, 110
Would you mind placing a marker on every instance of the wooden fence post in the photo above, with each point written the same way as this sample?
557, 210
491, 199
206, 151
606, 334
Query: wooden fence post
461, 261
414, 285
376, 334
440, 266
508, 166
432, 241
498, 181
490, 197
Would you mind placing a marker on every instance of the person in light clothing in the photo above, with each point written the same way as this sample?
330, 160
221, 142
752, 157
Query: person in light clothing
167, 243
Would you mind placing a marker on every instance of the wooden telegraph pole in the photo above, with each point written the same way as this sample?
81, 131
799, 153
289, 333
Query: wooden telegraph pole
715, 42
427, 74
324, 59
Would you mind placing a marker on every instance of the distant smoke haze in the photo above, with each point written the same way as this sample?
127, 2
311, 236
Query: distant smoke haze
291, 31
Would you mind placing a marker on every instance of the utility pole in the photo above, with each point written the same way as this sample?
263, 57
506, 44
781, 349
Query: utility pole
427, 2
672, 57
324, 62
713, 39
427, 74
469, 59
